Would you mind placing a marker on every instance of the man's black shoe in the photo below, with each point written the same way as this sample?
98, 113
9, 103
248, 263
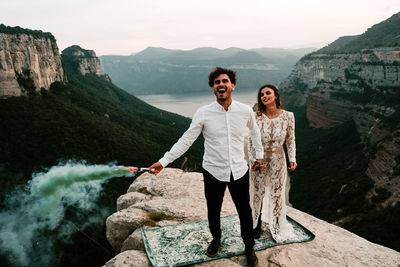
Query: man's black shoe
252, 259
212, 249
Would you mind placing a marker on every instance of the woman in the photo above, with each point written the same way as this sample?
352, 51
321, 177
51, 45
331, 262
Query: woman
267, 190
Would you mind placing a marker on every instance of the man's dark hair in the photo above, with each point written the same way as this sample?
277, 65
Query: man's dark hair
218, 71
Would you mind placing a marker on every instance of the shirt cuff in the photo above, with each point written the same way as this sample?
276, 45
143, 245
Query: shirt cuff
259, 155
163, 162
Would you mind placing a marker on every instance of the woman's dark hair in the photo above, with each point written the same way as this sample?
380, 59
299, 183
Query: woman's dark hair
218, 71
260, 106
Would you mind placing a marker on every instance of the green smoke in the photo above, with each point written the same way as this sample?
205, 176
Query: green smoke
40, 208
57, 178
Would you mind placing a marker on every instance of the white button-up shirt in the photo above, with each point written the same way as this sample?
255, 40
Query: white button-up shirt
224, 133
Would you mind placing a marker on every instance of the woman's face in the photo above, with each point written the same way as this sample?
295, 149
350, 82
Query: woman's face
267, 96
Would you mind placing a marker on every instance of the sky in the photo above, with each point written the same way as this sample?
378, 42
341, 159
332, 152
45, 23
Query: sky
122, 27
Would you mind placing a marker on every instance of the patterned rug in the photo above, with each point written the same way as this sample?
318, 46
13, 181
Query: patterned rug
183, 244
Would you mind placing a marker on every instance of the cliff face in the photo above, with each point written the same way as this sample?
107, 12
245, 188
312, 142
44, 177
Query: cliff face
85, 61
363, 87
336, 87
28, 63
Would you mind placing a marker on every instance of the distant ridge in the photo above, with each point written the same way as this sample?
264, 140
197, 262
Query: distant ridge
339, 43
153, 53
178, 71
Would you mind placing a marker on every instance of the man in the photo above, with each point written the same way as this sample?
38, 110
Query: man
223, 124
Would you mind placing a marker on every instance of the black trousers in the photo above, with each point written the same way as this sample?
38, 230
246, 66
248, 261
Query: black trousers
214, 191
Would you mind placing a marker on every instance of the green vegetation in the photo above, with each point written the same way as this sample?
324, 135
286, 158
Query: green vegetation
19, 30
24, 80
323, 185
383, 34
72, 50
70, 122
143, 190
338, 44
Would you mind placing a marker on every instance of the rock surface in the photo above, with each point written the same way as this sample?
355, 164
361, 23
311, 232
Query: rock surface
180, 194
130, 258
27, 64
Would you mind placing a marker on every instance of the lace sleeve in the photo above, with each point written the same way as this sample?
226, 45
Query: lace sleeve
290, 138
251, 150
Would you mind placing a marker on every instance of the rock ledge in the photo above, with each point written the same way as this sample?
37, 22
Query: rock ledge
180, 195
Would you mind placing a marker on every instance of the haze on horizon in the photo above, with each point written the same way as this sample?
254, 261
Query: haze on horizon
122, 27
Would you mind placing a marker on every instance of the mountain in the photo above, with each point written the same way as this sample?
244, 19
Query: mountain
349, 93
85, 61
179, 71
82, 116
153, 53
384, 34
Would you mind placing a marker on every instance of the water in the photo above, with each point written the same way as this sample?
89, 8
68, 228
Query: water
187, 104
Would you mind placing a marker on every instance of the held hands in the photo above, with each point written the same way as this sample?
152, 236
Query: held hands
155, 168
293, 166
258, 166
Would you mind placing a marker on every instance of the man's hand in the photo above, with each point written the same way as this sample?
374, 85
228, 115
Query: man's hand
293, 166
258, 166
155, 168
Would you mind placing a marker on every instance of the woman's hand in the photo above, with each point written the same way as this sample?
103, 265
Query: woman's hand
293, 166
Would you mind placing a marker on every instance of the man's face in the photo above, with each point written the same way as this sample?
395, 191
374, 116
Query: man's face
223, 87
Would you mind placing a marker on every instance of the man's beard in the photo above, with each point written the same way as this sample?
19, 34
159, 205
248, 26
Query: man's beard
222, 98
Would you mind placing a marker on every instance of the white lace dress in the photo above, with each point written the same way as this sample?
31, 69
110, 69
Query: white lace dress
269, 186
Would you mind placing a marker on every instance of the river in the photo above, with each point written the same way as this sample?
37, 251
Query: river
187, 104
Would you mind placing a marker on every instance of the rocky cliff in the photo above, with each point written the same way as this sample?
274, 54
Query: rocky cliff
29, 61
349, 80
85, 61
177, 197
336, 87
